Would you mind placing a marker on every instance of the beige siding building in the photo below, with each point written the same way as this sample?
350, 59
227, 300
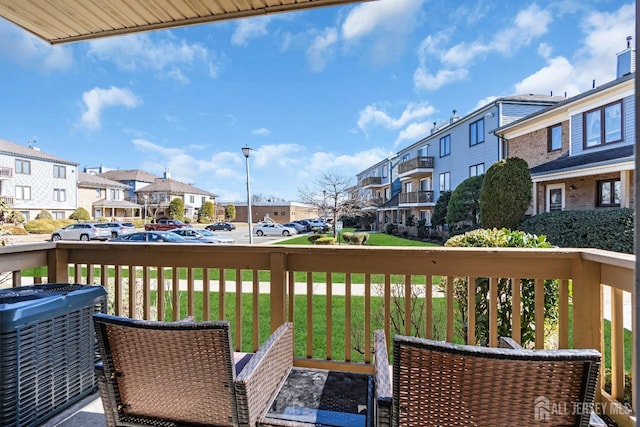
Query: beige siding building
281, 213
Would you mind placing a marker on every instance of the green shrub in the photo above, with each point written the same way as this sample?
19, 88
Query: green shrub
44, 214
514, 239
176, 208
439, 217
390, 228
355, 238
325, 240
103, 219
608, 229
80, 214
40, 226
347, 236
46, 226
15, 217
315, 237
464, 204
506, 194
138, 223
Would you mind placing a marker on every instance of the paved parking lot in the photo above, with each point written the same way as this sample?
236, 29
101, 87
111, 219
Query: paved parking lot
240, 235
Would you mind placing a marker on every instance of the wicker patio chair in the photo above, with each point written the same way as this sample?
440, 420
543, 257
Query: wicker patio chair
185, 373
437, 383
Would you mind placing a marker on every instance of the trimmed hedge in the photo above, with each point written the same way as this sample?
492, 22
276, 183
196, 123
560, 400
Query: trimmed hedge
325, 240
608, 229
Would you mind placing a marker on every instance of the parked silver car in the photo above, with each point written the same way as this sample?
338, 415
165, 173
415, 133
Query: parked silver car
205, 236
83, 231
120, 228
268, 229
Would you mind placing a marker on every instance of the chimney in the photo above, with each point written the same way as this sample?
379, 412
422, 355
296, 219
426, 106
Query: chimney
166, 174
626, 60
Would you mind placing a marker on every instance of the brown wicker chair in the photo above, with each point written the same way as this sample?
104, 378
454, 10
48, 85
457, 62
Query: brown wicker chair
185, 373
437, 383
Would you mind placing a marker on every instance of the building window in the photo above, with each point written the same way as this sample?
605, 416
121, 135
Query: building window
59, 194
476, 132
275, 213
609, 193
58, 215
387, 193
603, 125
476, 170
554, 138
23, 166
445, 181
283, 213
407, 187
98, 192
192, 199
23, 192
385, 171
425, 184
114, 194
445, 145
59, 171
406, 157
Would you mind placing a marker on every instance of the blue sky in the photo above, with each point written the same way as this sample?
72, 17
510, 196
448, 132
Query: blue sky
327, 90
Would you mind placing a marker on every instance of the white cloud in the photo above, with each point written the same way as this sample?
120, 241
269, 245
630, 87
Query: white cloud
272, 155
423, 80
371, 116
321, 48
97, 99
389, 14
31, 52
594, 61
163, 54
454, 62
412, 133
556, 75
261, 132
250, 28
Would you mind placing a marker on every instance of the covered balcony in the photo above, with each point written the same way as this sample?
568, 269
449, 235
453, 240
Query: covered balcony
371, 181
417, 166
338, 296
416, 198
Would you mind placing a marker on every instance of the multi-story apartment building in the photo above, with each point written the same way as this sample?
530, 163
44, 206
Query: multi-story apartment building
134, 179
31, 181
104, 198
406, 186
581, 150
157, 196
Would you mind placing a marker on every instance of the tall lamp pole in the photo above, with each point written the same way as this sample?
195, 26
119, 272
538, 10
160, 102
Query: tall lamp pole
246, 151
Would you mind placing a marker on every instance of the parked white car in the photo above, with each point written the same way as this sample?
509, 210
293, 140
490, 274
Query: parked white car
268, 229
205, 236
83, 231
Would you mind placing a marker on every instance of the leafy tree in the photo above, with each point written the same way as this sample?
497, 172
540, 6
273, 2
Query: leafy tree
505, 194
207, 211
176, 208
439, 217
464, 205
504, 238
230, 212
80, 214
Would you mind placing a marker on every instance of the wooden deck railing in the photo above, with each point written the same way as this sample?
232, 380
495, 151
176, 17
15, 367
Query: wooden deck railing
338, 295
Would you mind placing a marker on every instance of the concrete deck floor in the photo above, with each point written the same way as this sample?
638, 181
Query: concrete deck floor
86, 413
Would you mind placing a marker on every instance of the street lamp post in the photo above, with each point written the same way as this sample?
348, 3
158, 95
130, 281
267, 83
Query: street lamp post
246, 151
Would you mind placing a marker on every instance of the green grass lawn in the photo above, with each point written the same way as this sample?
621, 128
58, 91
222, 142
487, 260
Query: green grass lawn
375, 239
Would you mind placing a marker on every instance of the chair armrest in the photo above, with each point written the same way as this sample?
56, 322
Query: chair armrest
383, 393
262, 377
507, 342
106, 395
